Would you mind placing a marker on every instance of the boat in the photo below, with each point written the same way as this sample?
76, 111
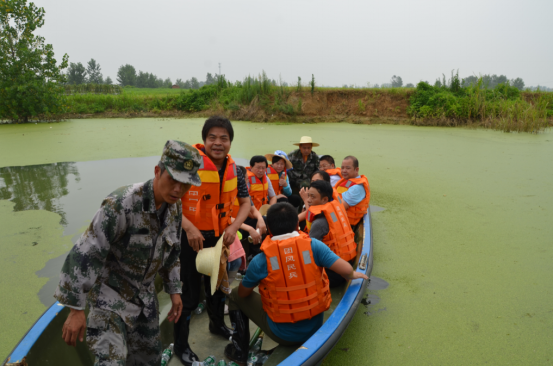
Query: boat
43, 345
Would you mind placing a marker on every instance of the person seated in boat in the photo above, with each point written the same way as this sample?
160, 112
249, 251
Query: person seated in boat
290, 267
254, 225
304, 162
316, 176
259, 186
327, 164
353, 189
207, 213
327, 221
277, 174
133, 236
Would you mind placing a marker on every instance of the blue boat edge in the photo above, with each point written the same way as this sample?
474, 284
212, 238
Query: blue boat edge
315, 349
26, 343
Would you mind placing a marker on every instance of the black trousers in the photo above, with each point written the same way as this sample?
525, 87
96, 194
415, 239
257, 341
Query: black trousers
191, 277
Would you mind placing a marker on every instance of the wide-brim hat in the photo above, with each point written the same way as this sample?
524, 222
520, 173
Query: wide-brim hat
264, 208
207, 262
270, 156
307, 140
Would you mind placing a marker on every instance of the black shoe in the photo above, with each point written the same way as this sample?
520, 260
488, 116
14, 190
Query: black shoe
180, 336
237, 351
215, 305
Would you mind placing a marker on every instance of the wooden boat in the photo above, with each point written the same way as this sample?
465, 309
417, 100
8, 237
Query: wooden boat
43, 345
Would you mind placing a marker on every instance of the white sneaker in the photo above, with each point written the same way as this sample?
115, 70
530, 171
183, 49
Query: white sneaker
226, 310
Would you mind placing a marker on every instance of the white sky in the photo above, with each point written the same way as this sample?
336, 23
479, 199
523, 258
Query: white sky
340, 42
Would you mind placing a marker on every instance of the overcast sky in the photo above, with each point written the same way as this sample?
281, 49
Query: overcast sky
340, 42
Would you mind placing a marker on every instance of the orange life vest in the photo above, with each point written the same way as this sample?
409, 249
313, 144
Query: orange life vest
334, 171
356, 212
340, 238
274, 178
295, 288
258, 189
210, 206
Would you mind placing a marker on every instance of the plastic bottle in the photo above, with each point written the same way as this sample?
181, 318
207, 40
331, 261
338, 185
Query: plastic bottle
166, 355
258, 345
210, 361
262, 358
232, 364
250, 237
200, 308
252, 358
221, 362
197, 363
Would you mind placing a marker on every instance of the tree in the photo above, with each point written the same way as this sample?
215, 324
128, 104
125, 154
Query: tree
187, 85
108, 80
396, 81
210, 79
142, 80
30, 79
126, 75
518, 83
167, 83
76, 74
469, 81
94, 74
409, 85
194, 83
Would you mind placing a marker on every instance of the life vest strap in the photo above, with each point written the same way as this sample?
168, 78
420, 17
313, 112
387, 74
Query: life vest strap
290, 289
294, 301
296, 310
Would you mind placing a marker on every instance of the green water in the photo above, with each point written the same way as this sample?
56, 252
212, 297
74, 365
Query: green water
465, 242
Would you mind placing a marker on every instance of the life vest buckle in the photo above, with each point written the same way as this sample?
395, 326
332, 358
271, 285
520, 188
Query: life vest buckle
206, 197
219, 206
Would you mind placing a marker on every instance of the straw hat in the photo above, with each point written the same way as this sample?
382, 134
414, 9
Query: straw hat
264, 208
307, 140
208, 261
281, 154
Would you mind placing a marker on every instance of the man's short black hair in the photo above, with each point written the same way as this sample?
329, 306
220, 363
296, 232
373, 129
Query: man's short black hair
323, 175
282, 218
276, 159
324, 188
354, 160
217, 121
328, 159
258, 159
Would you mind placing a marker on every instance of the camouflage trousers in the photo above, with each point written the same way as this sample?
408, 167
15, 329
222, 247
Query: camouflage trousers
114, 343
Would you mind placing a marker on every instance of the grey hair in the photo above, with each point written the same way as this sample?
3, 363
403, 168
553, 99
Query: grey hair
162, 167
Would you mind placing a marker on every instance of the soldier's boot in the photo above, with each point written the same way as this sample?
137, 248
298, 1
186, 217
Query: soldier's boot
238, 349
215, 305
181, 339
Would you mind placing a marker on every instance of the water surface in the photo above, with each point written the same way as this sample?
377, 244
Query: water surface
465, 242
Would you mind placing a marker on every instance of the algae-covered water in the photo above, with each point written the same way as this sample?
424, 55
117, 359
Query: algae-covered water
463, 252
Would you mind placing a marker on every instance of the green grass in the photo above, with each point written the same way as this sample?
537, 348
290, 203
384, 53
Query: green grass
151, 91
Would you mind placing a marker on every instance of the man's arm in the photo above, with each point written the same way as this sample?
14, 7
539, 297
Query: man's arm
270, 192
245, 291
194, 237
84, 263
345, 270
353, 196
231, 231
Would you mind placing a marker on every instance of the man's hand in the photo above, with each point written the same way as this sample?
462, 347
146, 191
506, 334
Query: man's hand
74, 326
358, 275
256, 237
176, 308
229, 235
195, 238
283, 181
261, 225
304, 195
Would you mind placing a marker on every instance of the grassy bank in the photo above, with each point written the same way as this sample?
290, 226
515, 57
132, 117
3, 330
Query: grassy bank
256, 99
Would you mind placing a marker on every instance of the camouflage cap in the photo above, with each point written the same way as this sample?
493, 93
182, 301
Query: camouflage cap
182, 162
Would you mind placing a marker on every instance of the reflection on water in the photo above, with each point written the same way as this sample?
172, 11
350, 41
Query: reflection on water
38, 187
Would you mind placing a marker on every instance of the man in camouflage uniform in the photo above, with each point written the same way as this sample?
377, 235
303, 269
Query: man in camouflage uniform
304, 163
134, 235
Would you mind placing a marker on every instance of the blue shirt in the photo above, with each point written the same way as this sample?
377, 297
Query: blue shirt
354, 195
302, 330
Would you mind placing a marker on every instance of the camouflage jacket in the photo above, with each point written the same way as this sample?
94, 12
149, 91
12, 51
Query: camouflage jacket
301, 171
115, 261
